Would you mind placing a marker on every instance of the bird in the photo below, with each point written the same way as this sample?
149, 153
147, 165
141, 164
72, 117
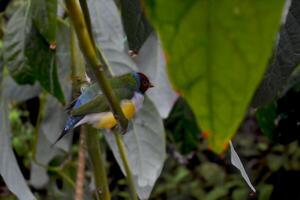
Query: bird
92, 107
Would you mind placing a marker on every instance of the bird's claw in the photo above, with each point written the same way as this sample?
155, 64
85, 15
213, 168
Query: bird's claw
120, 129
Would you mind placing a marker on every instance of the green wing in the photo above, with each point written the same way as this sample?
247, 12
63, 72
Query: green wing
99, 103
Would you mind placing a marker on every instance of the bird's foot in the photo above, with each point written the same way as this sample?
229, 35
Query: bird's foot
120, 129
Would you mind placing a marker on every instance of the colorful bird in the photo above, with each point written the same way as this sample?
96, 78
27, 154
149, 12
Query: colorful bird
92, 107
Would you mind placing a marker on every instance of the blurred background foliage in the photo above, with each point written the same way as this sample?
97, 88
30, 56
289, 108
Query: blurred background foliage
191, 171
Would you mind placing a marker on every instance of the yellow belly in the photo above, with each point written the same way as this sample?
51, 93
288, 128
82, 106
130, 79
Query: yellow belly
107, 120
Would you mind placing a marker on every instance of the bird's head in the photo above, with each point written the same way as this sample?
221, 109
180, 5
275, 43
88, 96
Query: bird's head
144, 82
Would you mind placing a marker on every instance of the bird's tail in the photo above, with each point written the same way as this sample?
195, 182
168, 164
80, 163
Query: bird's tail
63, 133
71, 123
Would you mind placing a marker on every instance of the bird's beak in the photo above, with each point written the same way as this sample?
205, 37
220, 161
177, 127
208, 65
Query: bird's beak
150, 86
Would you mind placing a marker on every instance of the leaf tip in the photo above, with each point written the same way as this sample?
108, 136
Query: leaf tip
216, 145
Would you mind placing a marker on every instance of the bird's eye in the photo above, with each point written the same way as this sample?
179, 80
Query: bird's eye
144, 83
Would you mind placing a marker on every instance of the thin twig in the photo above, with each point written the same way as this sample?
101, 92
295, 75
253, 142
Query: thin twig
41, 113
81, 167
122, 152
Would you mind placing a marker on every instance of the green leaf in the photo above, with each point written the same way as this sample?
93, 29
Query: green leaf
265, 191
275, 162
44, 18
55, 117
293, 82
14, 43
216, 193
9, 169
218, 53
240, 193
266, 116
63, 58
28, 56
136, 25
286, 57
212, 174
42, 61
183, 127
145, 146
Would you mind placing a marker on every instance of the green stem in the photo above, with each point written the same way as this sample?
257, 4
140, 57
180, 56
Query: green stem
87, 19
98, 162
40, 117
73, 58
66, 178
90, 52
123, 155
57, 170
86, 14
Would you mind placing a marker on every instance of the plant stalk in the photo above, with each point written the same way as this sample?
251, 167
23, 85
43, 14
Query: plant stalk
129, 177
86, 14
98, 162
40, 117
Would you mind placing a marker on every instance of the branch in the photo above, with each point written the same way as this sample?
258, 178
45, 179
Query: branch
86, 14
87, 19
98, 163
81, 167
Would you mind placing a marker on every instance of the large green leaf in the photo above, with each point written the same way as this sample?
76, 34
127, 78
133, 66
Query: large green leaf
42, 60
28, 55
218, 53
44, 18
